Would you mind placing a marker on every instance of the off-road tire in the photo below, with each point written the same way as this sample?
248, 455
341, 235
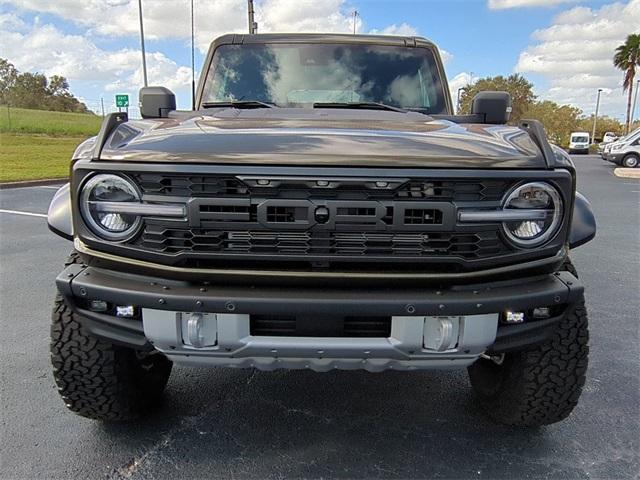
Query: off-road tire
98, 379
541, 385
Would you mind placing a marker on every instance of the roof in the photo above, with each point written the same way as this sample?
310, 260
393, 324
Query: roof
321, 38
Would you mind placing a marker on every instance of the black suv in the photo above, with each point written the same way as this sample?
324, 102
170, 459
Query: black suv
321, 208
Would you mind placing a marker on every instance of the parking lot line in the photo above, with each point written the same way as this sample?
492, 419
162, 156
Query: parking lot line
27, 214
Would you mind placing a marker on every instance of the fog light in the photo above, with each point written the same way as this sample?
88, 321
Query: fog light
199, 330
98, 306
541, 312
440, 333
513, 317
126, 311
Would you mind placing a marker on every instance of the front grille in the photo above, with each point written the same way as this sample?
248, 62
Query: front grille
313, 223
467, 245
319, 326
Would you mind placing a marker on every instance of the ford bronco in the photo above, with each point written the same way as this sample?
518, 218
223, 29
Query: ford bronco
321, 207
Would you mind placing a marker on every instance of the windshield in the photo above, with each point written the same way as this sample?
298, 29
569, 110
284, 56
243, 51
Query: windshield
580, 139
298, 75
629, 135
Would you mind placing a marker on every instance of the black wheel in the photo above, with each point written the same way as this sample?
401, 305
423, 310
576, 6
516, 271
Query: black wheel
631, 161
541, 385
98, 379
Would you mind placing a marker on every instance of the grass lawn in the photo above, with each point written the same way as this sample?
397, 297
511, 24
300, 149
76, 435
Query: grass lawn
32, 157
22, 120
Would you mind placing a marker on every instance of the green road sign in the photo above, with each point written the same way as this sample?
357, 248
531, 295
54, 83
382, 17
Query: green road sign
122, 101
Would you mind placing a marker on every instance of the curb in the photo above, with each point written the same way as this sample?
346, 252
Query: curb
33, 183
627, 172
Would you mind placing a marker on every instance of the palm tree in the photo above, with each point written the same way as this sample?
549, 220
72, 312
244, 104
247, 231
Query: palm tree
627, 58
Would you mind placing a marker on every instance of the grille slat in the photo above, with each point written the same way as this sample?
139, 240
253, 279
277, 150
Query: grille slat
476, 245
291, 326
211, 185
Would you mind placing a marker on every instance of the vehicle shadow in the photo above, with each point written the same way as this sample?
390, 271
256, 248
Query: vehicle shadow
340, 424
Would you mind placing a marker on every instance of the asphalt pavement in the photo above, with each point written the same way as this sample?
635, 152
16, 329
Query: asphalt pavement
290, 424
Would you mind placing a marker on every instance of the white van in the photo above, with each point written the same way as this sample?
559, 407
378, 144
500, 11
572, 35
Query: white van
626, 151
579, 142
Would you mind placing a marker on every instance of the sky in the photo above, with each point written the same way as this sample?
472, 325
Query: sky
564, 47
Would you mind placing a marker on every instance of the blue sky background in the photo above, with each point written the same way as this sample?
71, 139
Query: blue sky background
563, 46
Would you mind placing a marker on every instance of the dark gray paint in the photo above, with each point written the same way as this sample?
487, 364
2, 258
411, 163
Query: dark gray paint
583, 222
156, 102
291, 424
322, 137
59, 214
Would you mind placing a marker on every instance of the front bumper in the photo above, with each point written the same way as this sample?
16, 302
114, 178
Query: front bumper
162, 302
615, 158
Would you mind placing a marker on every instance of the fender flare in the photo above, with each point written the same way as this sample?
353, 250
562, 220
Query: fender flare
583, 222
59, 216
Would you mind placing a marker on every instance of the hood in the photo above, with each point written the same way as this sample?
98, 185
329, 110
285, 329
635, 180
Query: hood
317, 137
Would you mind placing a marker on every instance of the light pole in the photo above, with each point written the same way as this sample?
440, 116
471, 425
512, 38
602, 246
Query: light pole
595, 118
193, 63
458, 101
635, 99
355, 19
144, 59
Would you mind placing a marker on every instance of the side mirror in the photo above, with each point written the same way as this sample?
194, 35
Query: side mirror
495, 106
156, 102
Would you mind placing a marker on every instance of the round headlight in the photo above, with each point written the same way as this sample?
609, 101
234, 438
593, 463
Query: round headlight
97, 201
533, 197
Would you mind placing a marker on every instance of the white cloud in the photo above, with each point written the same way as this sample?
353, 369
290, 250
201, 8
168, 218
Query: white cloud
404, 29
305, 16
446, 56
574, 55
162, 19
459, 81
9, 21
171, 19
47, 49
504, 4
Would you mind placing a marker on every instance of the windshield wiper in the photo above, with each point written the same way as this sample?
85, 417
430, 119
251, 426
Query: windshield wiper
358, 105
241, 104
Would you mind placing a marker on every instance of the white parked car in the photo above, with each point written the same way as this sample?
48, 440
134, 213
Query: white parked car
579, 142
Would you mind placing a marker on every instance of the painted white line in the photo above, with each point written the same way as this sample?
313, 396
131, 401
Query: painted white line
26, 214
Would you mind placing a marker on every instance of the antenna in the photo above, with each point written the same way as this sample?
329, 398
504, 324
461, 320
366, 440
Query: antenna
144, 59
253, 25
193, 63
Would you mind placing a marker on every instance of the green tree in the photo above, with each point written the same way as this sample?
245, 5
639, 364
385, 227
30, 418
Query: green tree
8, 75
627, 58
558, 120
520, 89
604, 124
33, 90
